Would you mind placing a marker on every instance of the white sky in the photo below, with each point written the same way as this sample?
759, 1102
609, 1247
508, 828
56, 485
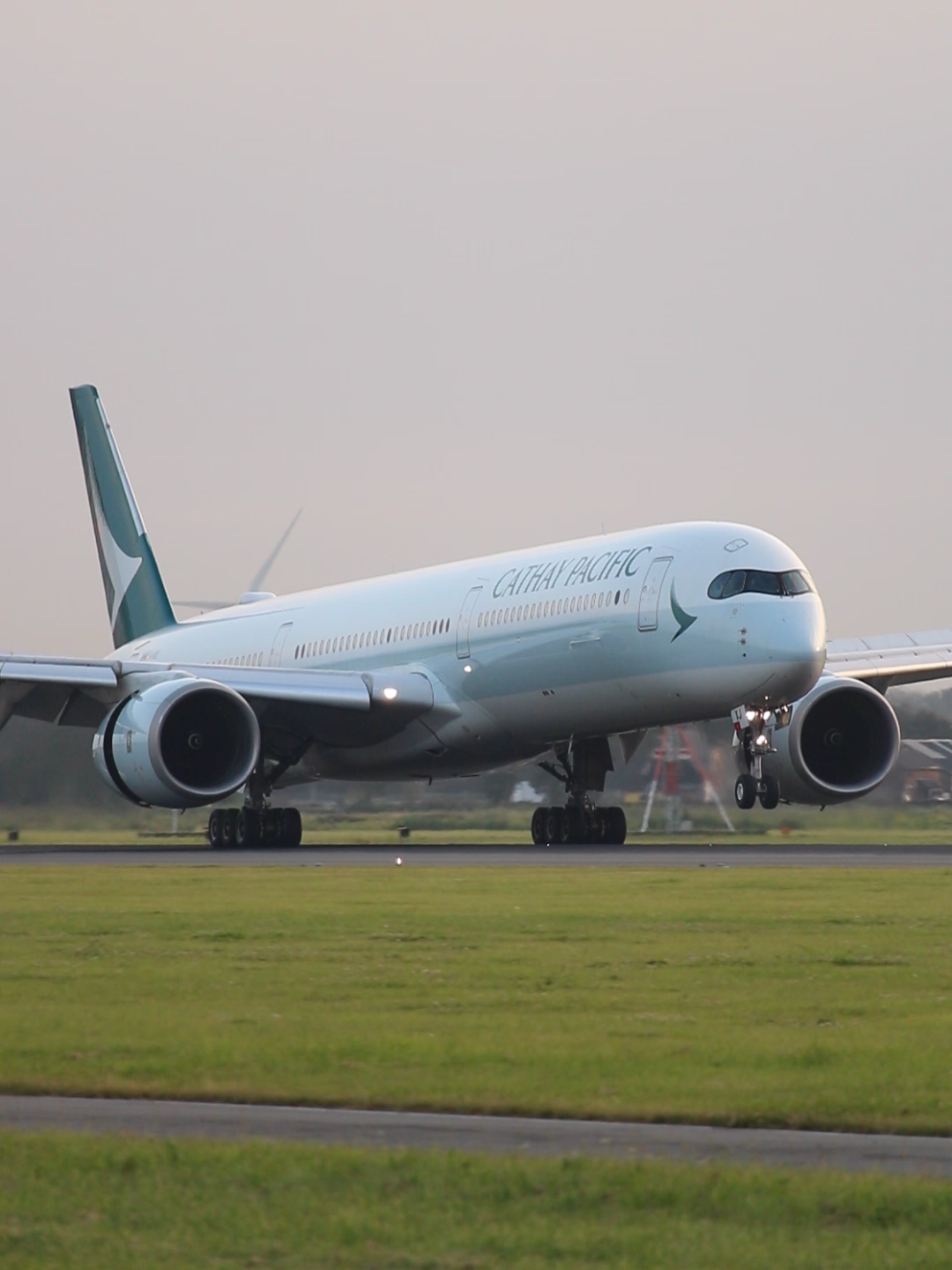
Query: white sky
463, 277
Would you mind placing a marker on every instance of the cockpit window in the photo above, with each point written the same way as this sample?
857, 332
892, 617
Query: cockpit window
795, 582
727, 584
735, 581
763, 583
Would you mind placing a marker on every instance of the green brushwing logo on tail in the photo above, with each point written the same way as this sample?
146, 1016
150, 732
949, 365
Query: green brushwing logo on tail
135, 594
683, 619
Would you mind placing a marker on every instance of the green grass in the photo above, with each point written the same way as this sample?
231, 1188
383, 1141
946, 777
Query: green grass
108, 1202
857, 822
815, 998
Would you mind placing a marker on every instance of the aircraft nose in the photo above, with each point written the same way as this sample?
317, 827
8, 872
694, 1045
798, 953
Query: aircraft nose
797, 643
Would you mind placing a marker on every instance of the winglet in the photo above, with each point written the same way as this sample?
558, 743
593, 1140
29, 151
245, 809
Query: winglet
135, 594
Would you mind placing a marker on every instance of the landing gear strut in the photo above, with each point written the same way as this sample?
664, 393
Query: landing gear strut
753, 741
580, 821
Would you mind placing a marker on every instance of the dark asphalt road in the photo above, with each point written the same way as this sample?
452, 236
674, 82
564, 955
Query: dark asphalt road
516, 1134
774, 854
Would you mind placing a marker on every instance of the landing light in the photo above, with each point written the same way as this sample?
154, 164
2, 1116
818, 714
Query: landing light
390, 694
467, 670
751, 715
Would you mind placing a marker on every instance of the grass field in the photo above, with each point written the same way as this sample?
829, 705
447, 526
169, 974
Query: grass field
858, 822
814, 998
82, 1201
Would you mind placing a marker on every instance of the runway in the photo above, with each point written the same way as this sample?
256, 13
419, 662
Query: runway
519, 1135
631, 855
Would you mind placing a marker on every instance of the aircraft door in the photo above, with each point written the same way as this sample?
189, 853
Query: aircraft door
651, 593
465, 617
277, 648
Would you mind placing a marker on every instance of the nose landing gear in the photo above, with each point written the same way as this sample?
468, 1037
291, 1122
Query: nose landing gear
753, 740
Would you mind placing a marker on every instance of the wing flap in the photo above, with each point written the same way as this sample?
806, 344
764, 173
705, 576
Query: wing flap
47, 670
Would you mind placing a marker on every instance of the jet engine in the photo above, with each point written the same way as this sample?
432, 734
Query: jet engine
179, 743
841, 742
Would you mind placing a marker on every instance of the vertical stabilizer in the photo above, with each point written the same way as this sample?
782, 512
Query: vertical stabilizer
135, 594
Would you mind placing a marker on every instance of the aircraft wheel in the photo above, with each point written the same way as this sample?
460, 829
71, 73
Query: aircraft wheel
598, 825
229, 824
291, 828
214, 828
617, 826
745, 791
554, 824
247, 828
769, 793
537, 828
575, 829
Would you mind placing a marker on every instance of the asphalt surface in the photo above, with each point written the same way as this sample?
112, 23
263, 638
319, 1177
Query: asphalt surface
501, 1134
666, 856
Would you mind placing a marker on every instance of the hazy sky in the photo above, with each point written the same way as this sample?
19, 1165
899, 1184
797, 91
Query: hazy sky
462, 277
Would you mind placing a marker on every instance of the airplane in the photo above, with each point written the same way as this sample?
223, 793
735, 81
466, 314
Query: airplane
561, 655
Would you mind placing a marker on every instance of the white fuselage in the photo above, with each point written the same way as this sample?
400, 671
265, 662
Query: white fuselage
532, 649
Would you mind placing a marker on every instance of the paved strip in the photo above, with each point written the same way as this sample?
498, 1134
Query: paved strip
520, 1135
657, 856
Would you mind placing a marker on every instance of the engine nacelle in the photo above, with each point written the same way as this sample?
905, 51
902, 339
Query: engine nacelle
180, 743
841, 742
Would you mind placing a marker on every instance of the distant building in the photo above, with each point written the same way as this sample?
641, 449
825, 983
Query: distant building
924, 771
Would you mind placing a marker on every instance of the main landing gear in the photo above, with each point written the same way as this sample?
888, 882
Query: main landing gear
579, 823
583, 768
248, 827
753, 740
257, 823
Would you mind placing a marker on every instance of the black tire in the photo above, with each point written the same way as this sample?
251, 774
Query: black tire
270, 827
598, 825
214, 828
745, 791
291, 827
537, 828
769, 793
247, 828
575, 829
617, 826
554, 824
229, 823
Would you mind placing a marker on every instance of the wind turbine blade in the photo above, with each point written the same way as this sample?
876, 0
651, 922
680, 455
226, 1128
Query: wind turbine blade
203, 604
258, 580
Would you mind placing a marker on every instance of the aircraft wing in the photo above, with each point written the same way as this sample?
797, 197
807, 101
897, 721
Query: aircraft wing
333, 706
888, 660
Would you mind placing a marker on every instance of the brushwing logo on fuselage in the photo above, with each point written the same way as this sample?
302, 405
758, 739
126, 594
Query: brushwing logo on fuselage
683, 619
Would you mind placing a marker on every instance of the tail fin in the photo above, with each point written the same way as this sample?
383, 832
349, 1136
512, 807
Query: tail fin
135, 594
